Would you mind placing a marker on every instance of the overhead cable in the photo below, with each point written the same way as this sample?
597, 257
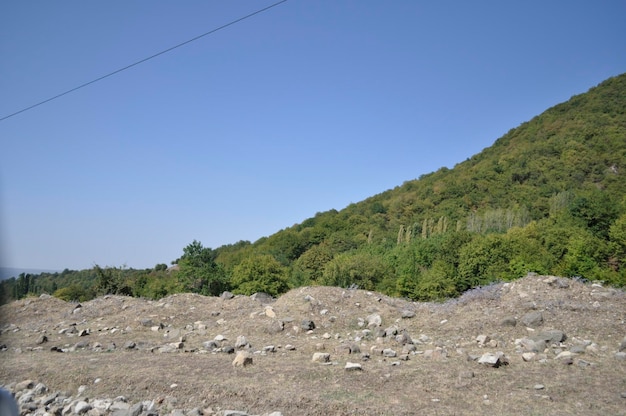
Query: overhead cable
144, 59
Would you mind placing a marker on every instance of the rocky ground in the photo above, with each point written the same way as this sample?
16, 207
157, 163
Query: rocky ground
541, 345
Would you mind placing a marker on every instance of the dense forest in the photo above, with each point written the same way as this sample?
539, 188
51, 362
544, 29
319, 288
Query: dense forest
548, 197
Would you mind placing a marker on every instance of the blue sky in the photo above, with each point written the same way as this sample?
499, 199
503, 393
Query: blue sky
307, 107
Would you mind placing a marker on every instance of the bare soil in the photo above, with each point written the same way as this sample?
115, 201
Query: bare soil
446, 382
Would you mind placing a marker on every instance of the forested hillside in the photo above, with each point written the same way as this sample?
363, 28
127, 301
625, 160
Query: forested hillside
548, 197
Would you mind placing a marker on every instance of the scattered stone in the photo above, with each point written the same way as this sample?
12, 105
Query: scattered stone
82, 407
275, 326
129, 345
552, 336
482, 340
539, 387
621, 355
407, 314
533, 319
269, 312
227, 295
408, 348
374, 320
388, 352
234, 413
403, 338
321, 357
243, 359
529, 345
307, 325
23, 385
210, 345
348, 348
493, 360
508, 321
262, 297
41, 340
622, 345
565, 355
528, 356
391, 332
353, 367
241, 342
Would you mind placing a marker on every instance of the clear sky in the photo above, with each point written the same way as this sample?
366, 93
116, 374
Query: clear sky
309, 106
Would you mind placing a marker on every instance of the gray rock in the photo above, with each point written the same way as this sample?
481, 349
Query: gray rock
129, 345
482, 339
374, 320
275, 326
533, 319
407, 314
242, 359
403, 338
234, 413
321, 357
210, 345
241, 342
508, 321
493, 360
307, 325
353, 367
227, 295
552, 336
262, 297
136, 409
390, 332
82, 407
622, 345
388, 352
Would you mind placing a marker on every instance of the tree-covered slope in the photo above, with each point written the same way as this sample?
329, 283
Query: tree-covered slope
563, 170
548, 197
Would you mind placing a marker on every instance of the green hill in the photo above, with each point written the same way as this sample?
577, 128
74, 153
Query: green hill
550, 187
548, 197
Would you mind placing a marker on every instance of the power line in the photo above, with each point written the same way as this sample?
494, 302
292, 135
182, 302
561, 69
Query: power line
145, 59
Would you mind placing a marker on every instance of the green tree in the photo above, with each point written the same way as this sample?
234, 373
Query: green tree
312, 262
111, 280
360, 268
436, 283
72, 293
199, 273
260, 273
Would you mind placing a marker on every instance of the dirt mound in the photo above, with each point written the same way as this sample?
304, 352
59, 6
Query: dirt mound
539, 345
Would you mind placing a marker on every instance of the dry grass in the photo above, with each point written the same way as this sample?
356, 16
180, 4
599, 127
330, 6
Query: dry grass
289, 382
